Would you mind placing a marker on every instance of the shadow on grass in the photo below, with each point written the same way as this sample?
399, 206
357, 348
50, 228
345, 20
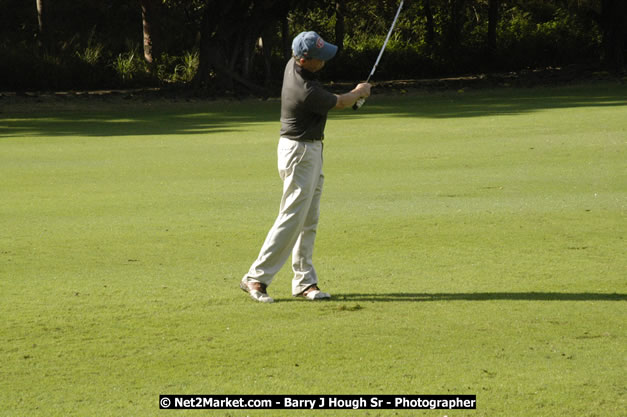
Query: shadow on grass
499, 102
109, 119
483, 296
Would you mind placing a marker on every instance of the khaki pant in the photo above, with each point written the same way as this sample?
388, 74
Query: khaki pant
294, 231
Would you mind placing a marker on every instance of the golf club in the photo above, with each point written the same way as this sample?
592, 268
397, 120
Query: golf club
361, 101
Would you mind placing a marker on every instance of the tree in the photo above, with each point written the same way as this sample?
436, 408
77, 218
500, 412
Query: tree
150, 9
43, 37
613, 19
229, 32
238, 42
340, 31
453, 35
233, 34
430, 35
493, 16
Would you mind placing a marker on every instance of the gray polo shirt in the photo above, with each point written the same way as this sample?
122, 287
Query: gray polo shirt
304, 104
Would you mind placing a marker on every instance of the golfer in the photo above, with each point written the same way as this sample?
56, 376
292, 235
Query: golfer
304, 107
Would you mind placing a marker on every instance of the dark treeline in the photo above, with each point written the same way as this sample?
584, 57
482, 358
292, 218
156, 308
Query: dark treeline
242, 44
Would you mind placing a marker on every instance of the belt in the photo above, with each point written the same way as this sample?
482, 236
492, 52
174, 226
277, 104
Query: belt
304, 140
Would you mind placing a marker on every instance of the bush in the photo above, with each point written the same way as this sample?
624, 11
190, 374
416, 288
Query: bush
91, 55
559, 40
128, 67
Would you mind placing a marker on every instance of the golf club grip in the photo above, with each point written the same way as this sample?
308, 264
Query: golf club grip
359, 103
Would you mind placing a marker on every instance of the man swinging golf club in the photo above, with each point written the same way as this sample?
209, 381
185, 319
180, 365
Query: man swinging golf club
304, 107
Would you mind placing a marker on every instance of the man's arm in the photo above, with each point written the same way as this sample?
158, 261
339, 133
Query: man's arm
348, 99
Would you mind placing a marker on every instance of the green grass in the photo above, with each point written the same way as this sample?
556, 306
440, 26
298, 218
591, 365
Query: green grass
474, 244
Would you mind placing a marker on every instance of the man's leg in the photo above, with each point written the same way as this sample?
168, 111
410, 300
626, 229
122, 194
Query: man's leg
302, 255
300, 164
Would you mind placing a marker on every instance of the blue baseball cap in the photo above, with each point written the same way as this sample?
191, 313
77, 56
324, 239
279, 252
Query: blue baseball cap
310, 45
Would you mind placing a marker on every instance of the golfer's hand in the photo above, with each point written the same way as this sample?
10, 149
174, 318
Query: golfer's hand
349, 99
363, 89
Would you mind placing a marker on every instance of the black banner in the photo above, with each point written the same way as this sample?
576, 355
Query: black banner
318, 402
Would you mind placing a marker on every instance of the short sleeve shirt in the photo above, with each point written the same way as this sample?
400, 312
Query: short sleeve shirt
304, 104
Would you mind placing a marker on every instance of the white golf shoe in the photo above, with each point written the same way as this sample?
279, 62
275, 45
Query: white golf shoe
257, 291
313, 293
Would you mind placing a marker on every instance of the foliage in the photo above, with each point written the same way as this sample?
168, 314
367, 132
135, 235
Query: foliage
89, 41
91, 55
128, 66
186, 70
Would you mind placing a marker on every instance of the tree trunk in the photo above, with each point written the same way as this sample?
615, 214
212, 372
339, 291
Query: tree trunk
248, 55
149, 18
454, 30
339, 24
456, 22
210, 58
430, 36
266, 49
43, 37
228, 34
285, 38
493, 17
236, 52
204, 56
40, 17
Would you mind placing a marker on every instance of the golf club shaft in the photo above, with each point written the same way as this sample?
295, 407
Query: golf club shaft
361, 101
